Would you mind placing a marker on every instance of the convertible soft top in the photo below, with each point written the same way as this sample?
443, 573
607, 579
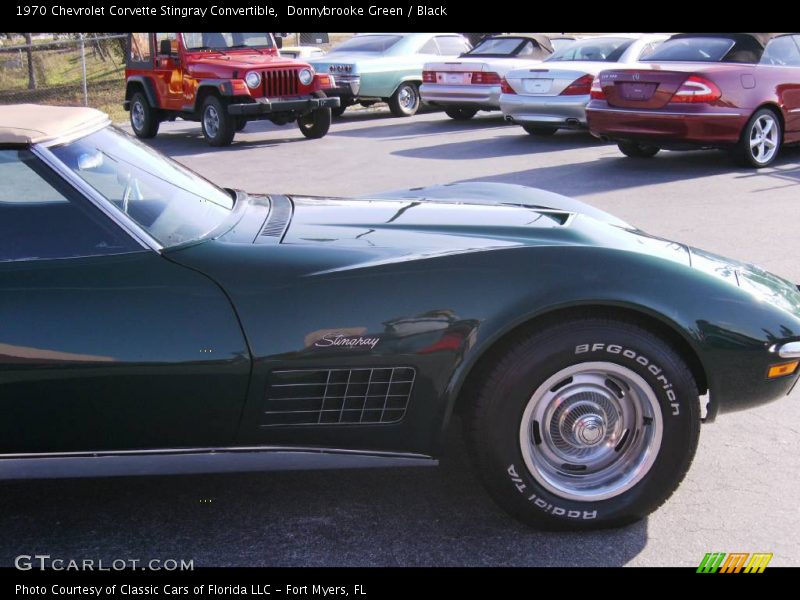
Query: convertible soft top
34, 123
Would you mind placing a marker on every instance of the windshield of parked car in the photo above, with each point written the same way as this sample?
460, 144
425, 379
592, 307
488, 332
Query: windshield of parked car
497, 46
692, 49
596, 50
368, 43
226, 41
170, 202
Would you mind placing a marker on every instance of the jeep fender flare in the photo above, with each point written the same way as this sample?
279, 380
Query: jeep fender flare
147, 85
221, 87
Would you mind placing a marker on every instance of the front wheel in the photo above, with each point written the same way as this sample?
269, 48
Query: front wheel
587, 424
634, 150
218, 126
761, 140
316, 123
405, 100
460, 114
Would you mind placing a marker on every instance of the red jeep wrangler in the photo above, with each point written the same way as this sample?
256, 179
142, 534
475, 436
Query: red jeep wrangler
222, 80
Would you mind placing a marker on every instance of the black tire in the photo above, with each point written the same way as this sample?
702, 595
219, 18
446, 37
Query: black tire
460, 114
746, 154
497, 410
405, 101
338, 111
315, 124
218, 126
540, 130
145, 119
240, 124
635, 150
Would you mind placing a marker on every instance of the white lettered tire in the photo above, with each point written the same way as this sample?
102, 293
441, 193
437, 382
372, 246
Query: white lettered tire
585, 424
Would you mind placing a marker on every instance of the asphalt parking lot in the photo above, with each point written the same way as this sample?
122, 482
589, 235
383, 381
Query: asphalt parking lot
740, 495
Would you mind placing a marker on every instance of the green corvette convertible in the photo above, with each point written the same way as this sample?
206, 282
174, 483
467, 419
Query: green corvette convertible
155, 323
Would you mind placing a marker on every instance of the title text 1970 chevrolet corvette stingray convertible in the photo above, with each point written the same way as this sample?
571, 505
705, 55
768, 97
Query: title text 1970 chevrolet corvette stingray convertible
155, 323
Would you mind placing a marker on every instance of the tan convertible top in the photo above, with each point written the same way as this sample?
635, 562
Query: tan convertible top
35, 123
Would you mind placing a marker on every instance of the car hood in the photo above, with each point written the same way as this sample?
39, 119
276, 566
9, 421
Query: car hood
421, 226
246, 61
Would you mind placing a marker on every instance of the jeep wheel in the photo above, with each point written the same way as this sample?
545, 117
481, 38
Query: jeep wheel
405, 100
218, 126
316, 123
144, 118
586, 424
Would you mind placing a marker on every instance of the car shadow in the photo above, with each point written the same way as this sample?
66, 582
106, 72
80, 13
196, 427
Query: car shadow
188, 142
393, 517
409, 127
612, 171
505, 145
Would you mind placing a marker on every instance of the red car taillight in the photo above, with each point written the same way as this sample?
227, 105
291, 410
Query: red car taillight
697, 89
580, 87
505, 88
488, 78
429, 77
596, 91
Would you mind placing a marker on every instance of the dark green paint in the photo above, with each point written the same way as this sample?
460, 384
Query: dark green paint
438, 282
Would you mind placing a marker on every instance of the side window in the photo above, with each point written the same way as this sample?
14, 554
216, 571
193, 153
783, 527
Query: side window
429, 47
527, 49
140, 51
451, 45
173, 41
782, 52
42, 217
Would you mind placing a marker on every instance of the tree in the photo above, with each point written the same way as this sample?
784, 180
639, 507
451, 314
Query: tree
31, 70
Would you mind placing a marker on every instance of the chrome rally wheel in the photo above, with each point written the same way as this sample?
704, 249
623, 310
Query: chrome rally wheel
591, 431
587, 423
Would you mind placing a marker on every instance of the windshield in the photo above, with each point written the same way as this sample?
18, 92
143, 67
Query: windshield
595, 50
694, 49
226, 41
368, 43
502, 46
171, 203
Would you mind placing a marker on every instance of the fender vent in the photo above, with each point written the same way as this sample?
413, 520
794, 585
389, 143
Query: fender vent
338, 396
278, 219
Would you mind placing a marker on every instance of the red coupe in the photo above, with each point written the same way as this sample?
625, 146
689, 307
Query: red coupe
735, 91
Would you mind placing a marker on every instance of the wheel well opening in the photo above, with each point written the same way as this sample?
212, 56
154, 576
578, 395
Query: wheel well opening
652, 324
202, 94
132, 88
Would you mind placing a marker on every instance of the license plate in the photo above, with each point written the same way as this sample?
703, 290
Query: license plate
455, 78
636, 91
538, 86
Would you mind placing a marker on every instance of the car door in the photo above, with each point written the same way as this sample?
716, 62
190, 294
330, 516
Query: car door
104, 343
169, 72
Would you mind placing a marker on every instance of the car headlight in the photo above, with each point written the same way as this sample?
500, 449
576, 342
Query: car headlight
253, 79
306, 76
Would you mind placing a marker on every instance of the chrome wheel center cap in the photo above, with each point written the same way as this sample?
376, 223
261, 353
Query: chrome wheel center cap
589, 430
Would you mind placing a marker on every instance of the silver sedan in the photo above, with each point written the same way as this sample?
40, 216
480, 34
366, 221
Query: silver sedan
554, 94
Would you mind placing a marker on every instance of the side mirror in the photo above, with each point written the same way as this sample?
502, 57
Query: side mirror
165, 47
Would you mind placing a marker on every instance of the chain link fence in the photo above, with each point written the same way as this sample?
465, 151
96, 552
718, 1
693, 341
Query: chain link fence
79, 69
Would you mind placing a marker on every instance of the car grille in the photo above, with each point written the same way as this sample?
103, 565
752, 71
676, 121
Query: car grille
279, 82
338, 396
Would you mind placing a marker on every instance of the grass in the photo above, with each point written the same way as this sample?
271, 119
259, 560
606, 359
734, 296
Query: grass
59, 79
